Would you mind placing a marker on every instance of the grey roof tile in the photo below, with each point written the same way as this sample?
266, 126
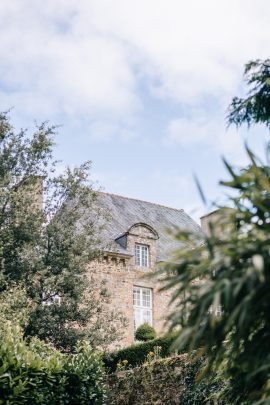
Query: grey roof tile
125, 212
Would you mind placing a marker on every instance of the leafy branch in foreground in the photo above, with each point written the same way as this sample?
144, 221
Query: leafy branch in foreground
255, 107
229, 271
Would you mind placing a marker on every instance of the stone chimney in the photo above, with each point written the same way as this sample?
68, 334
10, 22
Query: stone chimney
217, 219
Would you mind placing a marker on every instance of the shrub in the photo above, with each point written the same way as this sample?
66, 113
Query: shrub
174, 380
36, 373
198, 388
145, 332
136, 354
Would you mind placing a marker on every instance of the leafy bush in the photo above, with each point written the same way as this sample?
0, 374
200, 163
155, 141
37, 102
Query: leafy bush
171, 380
234, 268
145, 332
136, 354
36, 373
198, 390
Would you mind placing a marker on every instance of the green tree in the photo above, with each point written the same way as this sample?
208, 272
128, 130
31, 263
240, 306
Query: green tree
221, 286
255, 107
15, 306
47, 239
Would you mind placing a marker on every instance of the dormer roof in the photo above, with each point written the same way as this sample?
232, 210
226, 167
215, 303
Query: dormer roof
125, 213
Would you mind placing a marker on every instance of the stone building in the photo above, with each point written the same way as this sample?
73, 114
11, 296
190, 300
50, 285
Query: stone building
217, 221
136, 238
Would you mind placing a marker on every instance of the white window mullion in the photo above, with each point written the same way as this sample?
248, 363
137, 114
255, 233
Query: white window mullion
141, 255
142, 303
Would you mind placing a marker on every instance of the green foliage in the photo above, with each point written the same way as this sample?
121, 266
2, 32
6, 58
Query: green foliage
172, 380
15, 306
35, 373
198, 390
145, 332
255, 108
48, 237
231, 270
137, 354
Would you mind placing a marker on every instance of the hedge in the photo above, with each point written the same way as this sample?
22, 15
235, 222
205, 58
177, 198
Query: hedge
136, 354
36, 373
174, 380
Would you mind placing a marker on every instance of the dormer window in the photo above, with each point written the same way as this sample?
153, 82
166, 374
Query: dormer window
141, 255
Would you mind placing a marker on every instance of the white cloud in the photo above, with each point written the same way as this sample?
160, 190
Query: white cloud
100, 131
189, 131
189, 49
85, 59
91, 64
45, 66
206, 132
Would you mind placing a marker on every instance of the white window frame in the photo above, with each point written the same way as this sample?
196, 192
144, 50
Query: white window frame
217, 311
141, 255
142, 306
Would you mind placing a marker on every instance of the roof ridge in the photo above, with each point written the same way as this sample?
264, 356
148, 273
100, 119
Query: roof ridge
137, 199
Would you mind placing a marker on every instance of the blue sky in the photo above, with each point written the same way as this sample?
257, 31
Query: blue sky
139, 87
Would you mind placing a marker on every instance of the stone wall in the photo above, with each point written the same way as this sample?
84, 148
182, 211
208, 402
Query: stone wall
120, 277
121, 274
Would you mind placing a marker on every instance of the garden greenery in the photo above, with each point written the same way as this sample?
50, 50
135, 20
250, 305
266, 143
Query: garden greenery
36, 373
221, 287
231, 271
49, 232
136, 354
171, 380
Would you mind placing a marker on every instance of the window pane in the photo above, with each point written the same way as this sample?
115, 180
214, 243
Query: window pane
142, 302
146, 315
136, 297
146, 298
137, 318
219, 310
138, 255
141, 255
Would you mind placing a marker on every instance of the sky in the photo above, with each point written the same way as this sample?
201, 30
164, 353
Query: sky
140, 88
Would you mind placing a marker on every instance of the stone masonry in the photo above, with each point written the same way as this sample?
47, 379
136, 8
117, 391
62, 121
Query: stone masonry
146, 224
121, 275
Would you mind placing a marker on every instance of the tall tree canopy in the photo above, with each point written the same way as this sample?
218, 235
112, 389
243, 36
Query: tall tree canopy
46, 241
255, 107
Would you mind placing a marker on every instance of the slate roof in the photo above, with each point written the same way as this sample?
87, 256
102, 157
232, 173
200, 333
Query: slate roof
125, 212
